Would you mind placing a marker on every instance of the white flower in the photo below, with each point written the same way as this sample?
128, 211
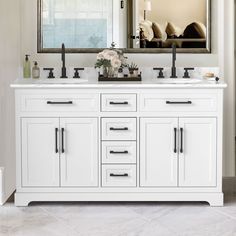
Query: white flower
109, 54
116, 62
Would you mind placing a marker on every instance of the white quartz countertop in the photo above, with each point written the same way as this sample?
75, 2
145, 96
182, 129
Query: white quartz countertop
94, 84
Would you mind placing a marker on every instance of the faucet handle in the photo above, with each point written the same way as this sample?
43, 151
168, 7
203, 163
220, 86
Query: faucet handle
50, 75
76, 75
186, 72
161, 74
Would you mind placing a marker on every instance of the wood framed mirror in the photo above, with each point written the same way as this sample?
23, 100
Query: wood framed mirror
136, 26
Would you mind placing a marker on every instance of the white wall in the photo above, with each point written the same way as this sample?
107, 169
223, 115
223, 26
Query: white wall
29, 42
228, 63
9, 64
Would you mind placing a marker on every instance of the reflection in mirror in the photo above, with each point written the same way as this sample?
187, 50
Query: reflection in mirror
134, 25
77, 23
164, 22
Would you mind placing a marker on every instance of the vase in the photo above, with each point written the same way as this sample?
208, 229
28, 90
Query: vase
108, 72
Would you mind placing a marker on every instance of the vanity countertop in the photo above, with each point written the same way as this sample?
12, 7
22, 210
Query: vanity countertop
93, 84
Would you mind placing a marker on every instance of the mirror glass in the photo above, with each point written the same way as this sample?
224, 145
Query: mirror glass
133, 25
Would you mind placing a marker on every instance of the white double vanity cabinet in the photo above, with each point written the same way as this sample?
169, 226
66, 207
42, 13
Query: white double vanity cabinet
119, 142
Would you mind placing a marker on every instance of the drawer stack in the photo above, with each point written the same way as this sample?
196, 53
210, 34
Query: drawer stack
119, 142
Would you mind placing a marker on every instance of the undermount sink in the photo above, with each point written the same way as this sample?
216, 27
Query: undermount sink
61, 81
179, 81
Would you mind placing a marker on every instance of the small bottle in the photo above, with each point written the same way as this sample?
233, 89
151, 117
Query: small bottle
27, 67
36, 71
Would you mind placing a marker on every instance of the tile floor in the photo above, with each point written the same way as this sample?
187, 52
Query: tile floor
119, 219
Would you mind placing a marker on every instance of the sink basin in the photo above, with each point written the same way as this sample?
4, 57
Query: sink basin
61, 81
179, 81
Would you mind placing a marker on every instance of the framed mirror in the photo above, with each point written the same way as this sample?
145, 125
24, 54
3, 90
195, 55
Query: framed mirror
136, 26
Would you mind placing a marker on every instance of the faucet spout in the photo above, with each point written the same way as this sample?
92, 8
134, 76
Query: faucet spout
173, 68
63, 58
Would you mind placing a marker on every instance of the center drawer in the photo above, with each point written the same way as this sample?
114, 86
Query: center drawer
119, 152
119, 176
119, 102
119, 129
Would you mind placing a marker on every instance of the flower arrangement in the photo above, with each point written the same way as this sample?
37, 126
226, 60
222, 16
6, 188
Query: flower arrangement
110, 60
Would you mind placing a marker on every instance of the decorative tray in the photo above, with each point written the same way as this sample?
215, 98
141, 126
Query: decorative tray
138, 78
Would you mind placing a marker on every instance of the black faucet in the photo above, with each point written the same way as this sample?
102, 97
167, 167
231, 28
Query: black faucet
63, 58
173, 69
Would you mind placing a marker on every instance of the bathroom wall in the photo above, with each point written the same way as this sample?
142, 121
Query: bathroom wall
220, 38
29, 45
9, 64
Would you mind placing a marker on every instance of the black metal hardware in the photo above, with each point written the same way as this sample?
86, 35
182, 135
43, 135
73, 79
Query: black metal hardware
63, 58
62, 140
181, 140
119, 103
50, 75
119, 129
122, 4
186, 72
170, 103
173, 68
119, 175
161, 74
134, 37
175, 134
59, 103
56, 140
217, 79
124, 152
77, 75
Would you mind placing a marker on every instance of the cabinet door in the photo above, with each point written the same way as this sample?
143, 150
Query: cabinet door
197, 159
158, 152
79, 154
40, 158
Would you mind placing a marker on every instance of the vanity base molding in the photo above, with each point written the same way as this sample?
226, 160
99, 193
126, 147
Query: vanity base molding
214, 199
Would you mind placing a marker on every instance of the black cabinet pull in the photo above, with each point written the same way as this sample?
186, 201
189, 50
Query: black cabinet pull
119, 129
175, 144
119, 175
59, 103
56, 140
62, 140
172, 103
181, 140
124, 152
119, 103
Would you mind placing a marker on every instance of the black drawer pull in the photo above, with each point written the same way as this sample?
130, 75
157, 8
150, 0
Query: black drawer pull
174, 103
56, 140
181, 140
62, 140
119, 175
119, 103
119, 129
175, 145
124, 152
59, 103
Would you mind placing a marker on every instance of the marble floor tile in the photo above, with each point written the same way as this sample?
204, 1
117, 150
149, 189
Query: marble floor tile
119, 219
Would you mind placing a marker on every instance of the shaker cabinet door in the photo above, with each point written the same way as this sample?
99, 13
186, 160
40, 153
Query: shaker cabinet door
197, 158
40, 152
79, 152
158, 152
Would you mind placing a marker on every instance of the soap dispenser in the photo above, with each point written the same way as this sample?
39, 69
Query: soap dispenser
27, 67
35, 71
